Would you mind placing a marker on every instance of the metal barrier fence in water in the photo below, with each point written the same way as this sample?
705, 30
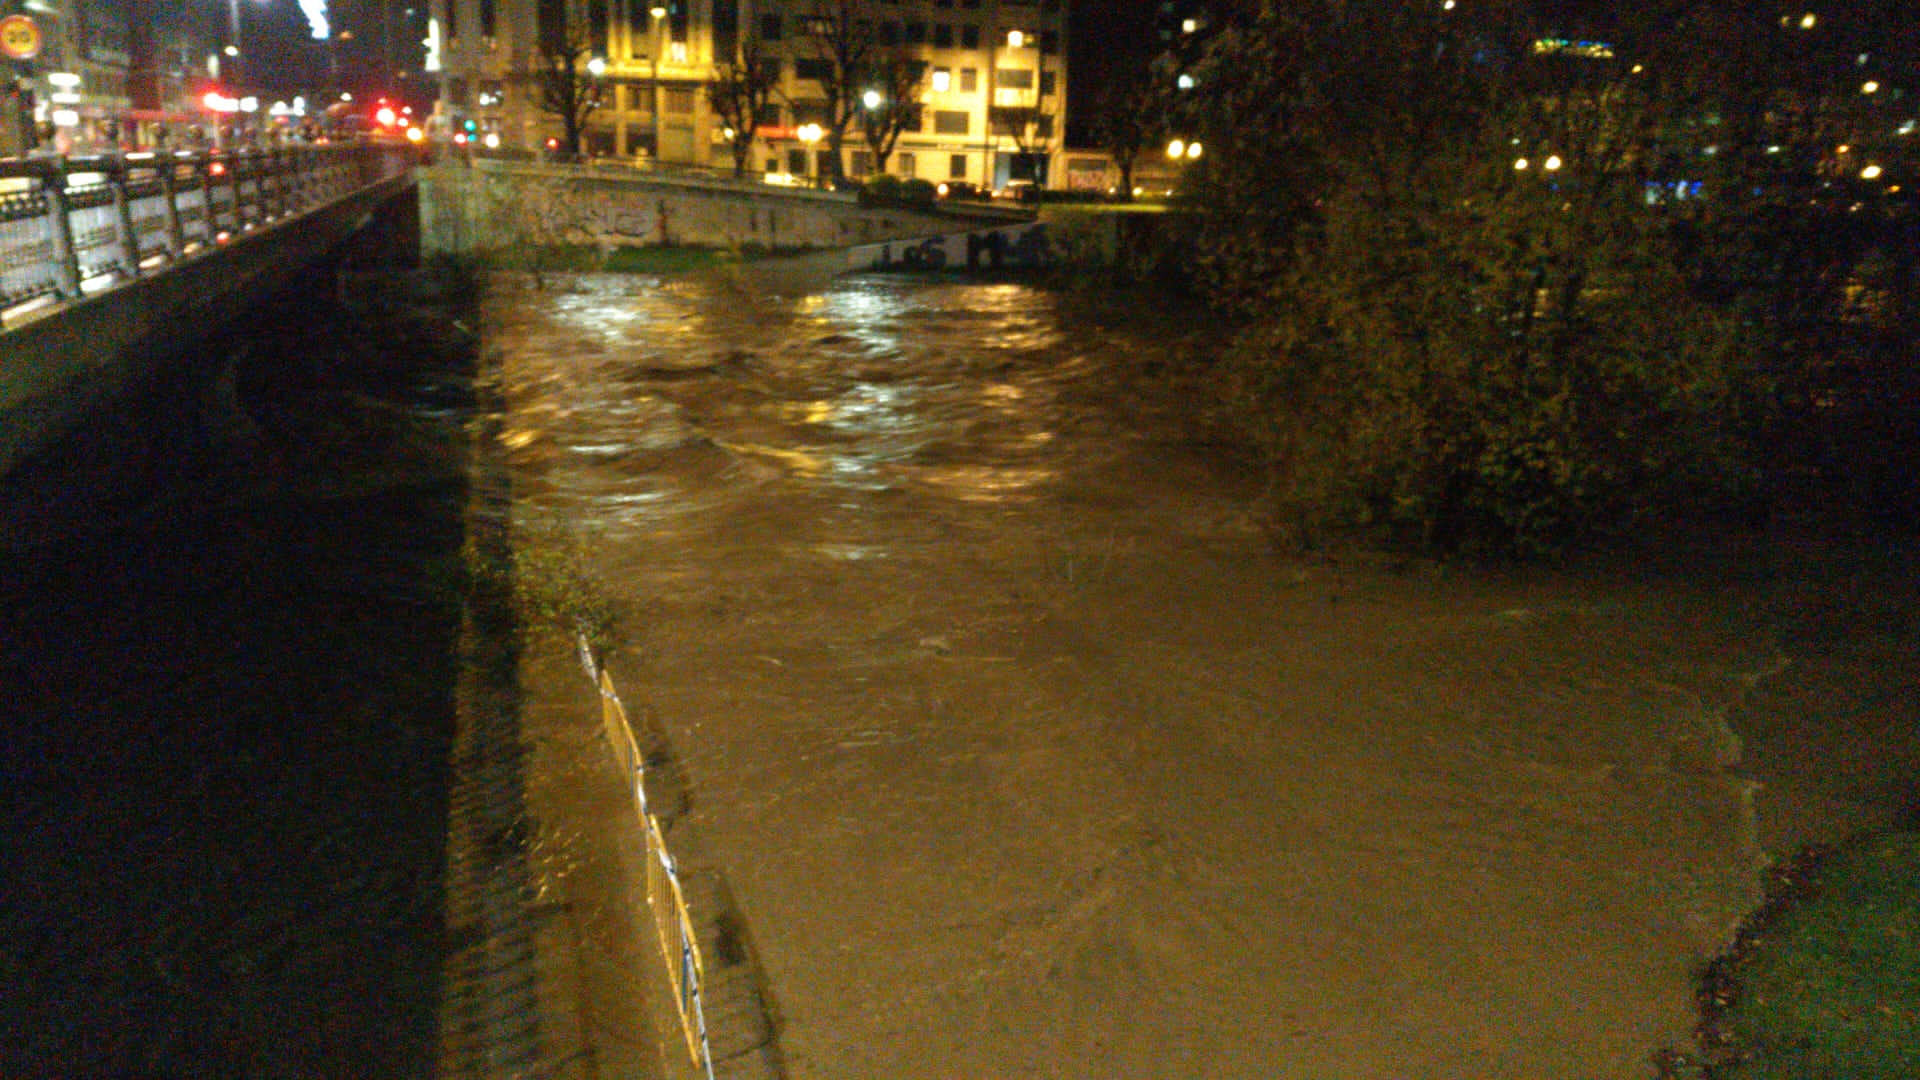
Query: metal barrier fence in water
72, 226
673, 925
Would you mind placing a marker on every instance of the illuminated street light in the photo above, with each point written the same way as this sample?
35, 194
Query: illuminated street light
1520, 164
1552, 162
1015, 39
1177, 149
1808, 21
1185, 82
1193, 150
1871, 172
596, 67
871, 99
1869, 87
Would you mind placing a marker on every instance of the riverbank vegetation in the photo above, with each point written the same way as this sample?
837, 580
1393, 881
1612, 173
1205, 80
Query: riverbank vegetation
1822, 981
1506, 282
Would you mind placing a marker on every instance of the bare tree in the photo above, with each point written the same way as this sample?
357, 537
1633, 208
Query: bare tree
1029, 125
841, 41
739, 90
564, 82
895, 81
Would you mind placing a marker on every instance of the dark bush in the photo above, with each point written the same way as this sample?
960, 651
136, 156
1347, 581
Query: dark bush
881, 190
917, 193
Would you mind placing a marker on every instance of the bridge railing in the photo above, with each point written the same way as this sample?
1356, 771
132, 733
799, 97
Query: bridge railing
71, 226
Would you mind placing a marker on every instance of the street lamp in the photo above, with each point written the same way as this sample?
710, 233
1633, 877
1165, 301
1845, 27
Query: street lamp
809, 136
658, 12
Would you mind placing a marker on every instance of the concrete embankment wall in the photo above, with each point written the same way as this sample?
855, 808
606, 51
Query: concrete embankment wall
492, 205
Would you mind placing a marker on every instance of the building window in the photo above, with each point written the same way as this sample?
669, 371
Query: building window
768, 116
809, 112
489, 20
905, 163
769, 27
457, 92
942, 36
969, 80
941, 80
1046, 84
679, 100
1013, 79
969, 36
797, 162
969, 3
952, 122
862, 162
814, 68
957, 167
1043, 126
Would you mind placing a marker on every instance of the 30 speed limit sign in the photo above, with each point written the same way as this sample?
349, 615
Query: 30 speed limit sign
19, 37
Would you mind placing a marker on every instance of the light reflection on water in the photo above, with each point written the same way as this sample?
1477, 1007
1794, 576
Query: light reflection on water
659, 405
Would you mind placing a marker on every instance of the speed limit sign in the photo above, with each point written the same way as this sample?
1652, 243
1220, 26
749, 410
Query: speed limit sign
19, 37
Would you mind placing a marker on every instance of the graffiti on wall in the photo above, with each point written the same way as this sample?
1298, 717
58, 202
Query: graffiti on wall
1021, 246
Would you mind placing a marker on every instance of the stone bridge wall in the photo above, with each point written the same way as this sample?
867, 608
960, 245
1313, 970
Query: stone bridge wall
491, 205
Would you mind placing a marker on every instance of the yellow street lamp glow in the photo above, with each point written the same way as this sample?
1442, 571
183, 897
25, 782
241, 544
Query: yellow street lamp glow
596, 67
1869, 87
808, 133
1193, 150
658, 11
1871, 172
1520, 164
1015, 39
871, 99
1552, 162
1177, 149
1807, 21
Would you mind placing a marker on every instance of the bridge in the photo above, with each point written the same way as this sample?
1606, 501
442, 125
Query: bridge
110, 264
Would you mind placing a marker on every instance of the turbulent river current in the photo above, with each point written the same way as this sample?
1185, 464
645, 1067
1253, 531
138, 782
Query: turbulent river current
1023, 753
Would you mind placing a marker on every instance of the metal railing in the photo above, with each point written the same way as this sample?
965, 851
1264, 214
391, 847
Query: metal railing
73, 226
673, 923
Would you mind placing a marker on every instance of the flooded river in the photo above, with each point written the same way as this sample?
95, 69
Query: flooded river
1017, 748
1024, 755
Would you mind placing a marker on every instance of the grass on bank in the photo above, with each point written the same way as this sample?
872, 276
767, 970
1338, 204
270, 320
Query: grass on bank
1825, 981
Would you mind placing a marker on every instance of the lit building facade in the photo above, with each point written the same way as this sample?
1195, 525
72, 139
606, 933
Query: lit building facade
991, 66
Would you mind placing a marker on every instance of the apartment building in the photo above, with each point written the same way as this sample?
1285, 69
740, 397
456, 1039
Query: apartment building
991, 102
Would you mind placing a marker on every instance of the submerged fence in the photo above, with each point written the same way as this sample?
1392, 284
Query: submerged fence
673, 925
72, 226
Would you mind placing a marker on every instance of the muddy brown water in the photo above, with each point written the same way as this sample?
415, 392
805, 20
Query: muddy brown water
1024, 754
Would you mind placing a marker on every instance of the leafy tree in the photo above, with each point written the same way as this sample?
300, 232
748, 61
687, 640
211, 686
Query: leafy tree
741, 88
1468, 329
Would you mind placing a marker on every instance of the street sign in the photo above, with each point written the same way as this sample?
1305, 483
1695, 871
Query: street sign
19, 37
